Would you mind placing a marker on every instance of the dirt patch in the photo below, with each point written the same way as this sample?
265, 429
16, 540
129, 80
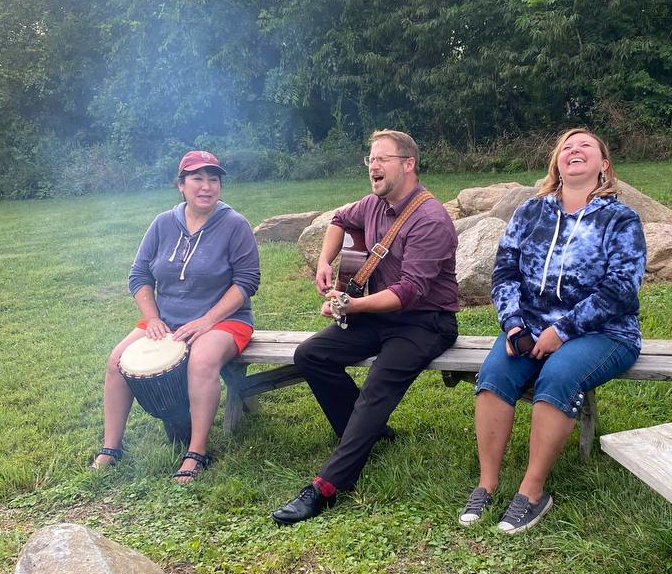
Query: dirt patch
181, 568
12, 519
83, 512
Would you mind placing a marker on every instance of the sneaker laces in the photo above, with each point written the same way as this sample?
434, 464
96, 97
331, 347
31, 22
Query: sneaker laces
519, 507
478, 500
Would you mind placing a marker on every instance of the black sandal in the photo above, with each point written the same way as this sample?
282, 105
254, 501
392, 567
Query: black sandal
202, 462
115, 453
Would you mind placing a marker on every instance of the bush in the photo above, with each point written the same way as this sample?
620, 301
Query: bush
506, 154
337, 154
92, 169
25, 161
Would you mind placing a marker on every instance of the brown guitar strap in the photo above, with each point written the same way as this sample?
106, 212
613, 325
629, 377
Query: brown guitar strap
380, 250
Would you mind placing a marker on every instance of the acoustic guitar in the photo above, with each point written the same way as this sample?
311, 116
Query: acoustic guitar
353, 256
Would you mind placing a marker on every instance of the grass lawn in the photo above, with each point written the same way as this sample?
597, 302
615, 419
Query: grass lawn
63, 306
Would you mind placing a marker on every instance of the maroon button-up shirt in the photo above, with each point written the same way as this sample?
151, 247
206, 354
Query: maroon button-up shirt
420, 266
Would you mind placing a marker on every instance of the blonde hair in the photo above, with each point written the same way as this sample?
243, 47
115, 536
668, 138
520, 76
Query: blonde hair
552, 183
405, 144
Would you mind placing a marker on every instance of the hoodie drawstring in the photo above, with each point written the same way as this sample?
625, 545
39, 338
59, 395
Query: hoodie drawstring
562, 256
172, 257
564, 251
191, 254
550, 253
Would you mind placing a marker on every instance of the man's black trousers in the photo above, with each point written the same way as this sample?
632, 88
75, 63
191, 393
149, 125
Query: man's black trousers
404, 342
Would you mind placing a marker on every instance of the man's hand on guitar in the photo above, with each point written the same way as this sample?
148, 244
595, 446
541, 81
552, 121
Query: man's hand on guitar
337, 306
323, 278
325, 311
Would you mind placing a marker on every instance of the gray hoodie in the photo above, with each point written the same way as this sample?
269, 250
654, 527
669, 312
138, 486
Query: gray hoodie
191, 273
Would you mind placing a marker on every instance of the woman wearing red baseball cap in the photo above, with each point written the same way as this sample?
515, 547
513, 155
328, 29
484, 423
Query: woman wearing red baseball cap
192, 279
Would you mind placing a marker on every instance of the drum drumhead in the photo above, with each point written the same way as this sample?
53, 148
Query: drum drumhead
148, 357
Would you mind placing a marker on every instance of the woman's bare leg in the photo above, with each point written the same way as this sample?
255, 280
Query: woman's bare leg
208, 354
117, 400
493, 422
549, 433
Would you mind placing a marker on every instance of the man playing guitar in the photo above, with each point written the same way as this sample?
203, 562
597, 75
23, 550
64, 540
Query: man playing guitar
406, 319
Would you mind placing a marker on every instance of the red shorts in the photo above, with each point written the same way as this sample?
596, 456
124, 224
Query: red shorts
242, 332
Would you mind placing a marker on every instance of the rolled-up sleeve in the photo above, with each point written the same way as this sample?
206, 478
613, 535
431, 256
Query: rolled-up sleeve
244, 260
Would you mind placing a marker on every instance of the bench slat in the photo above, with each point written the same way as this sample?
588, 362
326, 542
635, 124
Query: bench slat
649, 346
296, 337
273, 347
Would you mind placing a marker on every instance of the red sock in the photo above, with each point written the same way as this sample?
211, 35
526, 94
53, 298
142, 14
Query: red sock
326, 488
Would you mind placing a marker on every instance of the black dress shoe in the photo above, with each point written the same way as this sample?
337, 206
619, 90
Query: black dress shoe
308, 504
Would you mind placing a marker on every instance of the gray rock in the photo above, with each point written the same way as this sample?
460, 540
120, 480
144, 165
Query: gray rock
310, 240
73, 549
649, 210
465, 223
475, 200
453, 209
505, 207
658, 251
284, 227
475, 259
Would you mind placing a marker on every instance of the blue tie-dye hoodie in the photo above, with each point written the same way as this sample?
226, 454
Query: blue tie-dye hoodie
579, 273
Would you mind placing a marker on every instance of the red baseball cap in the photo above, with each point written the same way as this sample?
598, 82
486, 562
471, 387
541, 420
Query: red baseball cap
195, 160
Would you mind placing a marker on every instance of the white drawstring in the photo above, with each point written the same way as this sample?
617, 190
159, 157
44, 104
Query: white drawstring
191, 253
550, 253
172, 257
564, 251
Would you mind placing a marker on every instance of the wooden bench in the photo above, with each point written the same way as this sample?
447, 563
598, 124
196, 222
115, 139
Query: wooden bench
459, 363
647, 453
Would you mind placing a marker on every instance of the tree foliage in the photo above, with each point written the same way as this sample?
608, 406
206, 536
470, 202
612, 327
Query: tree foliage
264, 82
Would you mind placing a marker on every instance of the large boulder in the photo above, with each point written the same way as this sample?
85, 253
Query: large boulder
284, 227
465, 223
73, 549
475, 200
453, 209
658, 251
310, 240
505, 207
475, 259
649, 210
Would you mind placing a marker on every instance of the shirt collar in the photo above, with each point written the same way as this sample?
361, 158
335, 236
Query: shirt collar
399, 207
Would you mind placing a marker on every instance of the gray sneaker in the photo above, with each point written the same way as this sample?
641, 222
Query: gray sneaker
479, 499
522, 515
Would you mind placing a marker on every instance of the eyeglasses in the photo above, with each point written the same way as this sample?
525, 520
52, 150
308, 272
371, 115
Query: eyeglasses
369, 160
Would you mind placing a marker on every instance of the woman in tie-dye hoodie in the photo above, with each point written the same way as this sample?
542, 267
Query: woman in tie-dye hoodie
565, 285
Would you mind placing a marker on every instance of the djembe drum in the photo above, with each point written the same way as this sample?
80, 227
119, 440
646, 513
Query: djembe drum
156, 372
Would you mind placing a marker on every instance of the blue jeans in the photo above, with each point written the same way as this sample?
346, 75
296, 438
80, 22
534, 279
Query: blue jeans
563, 378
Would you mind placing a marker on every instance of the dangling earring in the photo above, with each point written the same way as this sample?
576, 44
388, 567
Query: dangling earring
602, 179
557, 189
